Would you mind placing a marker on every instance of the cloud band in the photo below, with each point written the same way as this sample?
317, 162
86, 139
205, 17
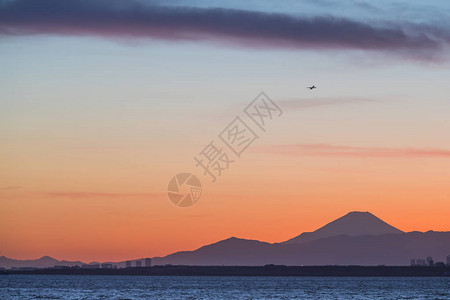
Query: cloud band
131, 19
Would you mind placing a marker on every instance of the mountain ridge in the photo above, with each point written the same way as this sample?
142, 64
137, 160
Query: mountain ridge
354, 223
385, 249
355, 238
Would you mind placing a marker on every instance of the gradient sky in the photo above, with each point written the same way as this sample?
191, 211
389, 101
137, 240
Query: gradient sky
102, 102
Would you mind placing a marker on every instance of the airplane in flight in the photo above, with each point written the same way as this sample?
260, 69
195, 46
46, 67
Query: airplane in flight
311, 87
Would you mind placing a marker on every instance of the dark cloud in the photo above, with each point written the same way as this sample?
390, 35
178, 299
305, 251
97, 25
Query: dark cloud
129, 19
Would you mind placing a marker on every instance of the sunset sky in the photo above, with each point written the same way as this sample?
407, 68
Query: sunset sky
102, 102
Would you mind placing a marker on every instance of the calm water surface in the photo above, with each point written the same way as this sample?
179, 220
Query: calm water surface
188, 287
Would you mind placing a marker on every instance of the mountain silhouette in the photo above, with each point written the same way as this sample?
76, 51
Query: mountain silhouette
43, 262
352, 224
238, 251
385, 249
358, 238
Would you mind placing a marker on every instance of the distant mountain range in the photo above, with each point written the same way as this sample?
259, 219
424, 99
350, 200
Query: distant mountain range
43, 262
358, 238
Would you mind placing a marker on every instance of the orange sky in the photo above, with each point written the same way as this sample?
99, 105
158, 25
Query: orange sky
290, 195
91, 132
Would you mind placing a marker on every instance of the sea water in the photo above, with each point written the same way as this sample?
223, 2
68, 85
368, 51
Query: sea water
220, 287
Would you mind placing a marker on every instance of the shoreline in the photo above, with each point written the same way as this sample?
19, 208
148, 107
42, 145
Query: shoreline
268, 270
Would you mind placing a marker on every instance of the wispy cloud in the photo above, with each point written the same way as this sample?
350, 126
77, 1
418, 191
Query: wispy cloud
350, 151
98, 195
130, 19
344, 3
7, 188
303, 103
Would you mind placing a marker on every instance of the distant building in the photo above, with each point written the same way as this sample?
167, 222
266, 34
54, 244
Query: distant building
61, 267
93, 266
413, 262
448, 260
430, 261
148, 262
107, 266
128, 264
138, 263
421, 262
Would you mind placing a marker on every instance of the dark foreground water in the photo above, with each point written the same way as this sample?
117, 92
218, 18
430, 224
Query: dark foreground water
188, 287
